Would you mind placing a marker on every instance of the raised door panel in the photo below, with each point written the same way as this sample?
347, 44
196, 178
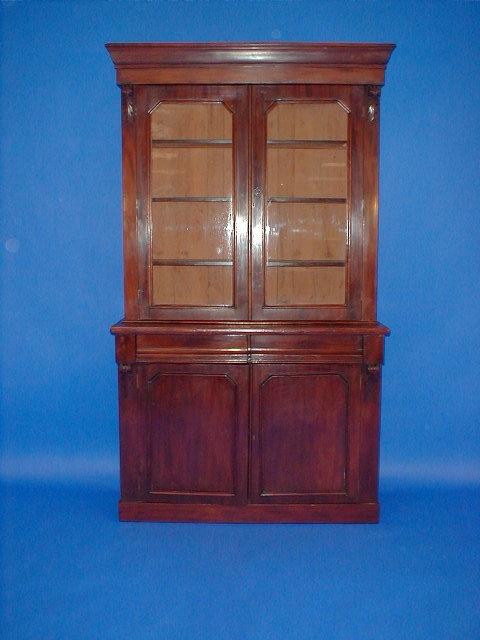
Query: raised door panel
307, 168
192, 202
305, 430
196, 420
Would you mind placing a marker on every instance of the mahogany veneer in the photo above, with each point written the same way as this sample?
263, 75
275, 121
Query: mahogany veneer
250, 355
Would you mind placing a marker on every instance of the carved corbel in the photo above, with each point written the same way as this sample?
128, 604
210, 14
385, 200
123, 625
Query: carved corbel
128, 101
373, 96
373, 352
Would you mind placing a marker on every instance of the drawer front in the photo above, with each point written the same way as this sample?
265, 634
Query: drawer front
328, 347
231, 347
237, 347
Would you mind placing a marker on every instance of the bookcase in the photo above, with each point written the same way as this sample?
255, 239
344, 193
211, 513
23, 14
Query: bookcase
250, 354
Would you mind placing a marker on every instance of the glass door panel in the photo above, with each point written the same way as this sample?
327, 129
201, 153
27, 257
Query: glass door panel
303, 210
306, 204
197, 204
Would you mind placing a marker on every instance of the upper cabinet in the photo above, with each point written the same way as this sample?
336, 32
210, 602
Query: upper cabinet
250, 180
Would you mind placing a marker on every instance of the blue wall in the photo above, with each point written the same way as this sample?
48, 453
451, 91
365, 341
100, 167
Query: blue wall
61, 276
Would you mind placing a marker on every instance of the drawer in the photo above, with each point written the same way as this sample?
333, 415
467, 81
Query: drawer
327, 348
191, 344
295, 343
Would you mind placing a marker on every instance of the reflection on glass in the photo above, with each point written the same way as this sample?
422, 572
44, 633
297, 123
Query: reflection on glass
202, 230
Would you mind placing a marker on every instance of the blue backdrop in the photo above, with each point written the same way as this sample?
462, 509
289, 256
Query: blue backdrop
61, 215
61, 275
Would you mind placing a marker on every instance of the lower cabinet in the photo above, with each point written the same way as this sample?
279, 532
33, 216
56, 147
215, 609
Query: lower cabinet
240, 442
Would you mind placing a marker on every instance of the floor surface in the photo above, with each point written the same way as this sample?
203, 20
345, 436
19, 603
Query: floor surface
71, 571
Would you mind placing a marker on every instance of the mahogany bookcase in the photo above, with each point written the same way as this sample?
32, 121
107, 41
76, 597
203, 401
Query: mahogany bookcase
250, 354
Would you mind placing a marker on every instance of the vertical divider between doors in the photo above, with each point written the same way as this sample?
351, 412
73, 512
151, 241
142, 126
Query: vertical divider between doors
258, 167
249, 202
250, 290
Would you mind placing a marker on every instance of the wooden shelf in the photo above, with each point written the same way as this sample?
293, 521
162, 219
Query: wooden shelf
306, 263
193, 199
191, 263
295, 200
191, 143
229, 263
308, 144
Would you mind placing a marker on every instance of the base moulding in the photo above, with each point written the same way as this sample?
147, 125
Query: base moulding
367, 512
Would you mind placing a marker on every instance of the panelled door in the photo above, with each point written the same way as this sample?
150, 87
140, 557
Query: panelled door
307, 162
305, 433
197, 443
193, 425
192, 192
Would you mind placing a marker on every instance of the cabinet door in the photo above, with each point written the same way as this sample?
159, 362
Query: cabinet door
305, 433
194, 421
192, 160
307, 202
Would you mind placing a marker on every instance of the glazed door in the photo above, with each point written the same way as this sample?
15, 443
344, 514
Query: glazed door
192, 201
194, 427
306, 423
307, 163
